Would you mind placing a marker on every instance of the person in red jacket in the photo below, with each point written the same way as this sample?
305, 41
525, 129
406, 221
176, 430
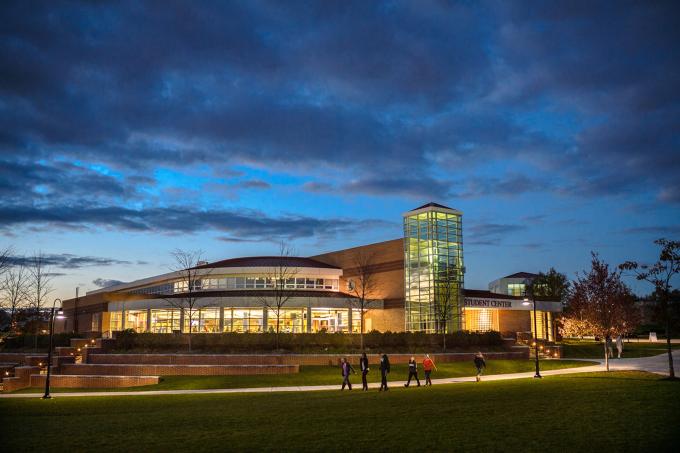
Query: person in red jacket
428, 365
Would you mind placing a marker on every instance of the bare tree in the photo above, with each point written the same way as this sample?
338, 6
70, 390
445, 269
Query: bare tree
40, 288
278, 280
15, 287
602, 303
188, 286
5, 261
660, 275
363, 285
446, 307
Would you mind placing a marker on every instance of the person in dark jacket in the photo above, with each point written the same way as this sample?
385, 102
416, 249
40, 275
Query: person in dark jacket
384, 371
363, 366
412, 371
346, 370
480, 363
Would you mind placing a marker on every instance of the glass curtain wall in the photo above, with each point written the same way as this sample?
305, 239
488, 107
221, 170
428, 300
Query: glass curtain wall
433, 268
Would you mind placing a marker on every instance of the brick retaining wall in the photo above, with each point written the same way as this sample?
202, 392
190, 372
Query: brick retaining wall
283, 359
175, 370
22, 358
102, 382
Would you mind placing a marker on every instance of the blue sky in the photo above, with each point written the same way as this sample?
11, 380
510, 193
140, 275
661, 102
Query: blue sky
129, 129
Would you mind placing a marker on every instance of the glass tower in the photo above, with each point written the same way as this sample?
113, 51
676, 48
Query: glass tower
433, 268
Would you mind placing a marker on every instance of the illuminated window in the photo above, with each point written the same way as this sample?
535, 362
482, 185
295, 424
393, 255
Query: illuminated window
165, 321
481, 319
116, 321
135, 320
516, 289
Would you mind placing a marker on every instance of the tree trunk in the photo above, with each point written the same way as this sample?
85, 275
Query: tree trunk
606, 355
444, 339
671, 370
278, 317
361, 333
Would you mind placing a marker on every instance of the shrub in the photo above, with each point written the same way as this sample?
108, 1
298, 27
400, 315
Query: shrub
28, 341
305, 342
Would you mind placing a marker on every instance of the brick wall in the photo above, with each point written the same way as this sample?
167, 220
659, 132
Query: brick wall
175, 370
22, 358
102, 382
21, 379
282, 359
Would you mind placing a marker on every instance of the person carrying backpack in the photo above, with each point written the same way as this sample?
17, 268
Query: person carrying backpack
363, 366
480, 364
428, 365
346, 369
412, 371
384, 371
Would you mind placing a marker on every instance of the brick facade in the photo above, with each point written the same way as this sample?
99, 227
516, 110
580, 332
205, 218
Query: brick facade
102, 382
176, 370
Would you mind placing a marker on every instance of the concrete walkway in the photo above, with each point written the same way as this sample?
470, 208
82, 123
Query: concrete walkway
656, 364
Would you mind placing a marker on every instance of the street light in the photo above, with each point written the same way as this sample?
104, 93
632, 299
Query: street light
533, 302
60, 315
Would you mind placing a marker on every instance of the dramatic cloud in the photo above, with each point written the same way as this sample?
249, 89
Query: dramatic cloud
105, 283
67, 261
168, 116
490, 233
244, 224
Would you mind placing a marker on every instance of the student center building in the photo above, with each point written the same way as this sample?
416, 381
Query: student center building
412, 278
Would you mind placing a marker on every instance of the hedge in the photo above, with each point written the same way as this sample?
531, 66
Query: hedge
305, 342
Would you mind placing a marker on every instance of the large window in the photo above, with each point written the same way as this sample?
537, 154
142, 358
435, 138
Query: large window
481, 320
243, 320
165, 321
516, 289
136, 320
290, 320
433, 260
204, 320
331, 320
116, 321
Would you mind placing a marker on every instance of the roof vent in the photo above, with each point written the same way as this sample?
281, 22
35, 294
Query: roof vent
201, 263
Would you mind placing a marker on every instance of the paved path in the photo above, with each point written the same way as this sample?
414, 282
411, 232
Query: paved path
656, 364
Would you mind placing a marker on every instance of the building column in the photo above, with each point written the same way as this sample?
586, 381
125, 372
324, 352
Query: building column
148, 320
265, 319
181, 320
122, 321
309, 319
221, 326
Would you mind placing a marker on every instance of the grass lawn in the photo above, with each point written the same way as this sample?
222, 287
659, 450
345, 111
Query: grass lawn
618, 411
320, 375
573, 349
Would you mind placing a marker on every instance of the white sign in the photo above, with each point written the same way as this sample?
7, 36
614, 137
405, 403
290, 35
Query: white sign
652, 336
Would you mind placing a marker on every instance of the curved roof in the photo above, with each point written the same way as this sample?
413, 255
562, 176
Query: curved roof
268, 261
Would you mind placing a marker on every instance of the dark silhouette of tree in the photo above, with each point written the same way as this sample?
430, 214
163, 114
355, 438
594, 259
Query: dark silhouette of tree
188, 286
603, 303
552, 285
40, 288
280, 279
15, 287
363, 285
446, 307
660, 274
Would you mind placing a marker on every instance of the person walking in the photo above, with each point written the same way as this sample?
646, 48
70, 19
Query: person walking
363, 366
480, 363
412, 371
609, 346
619, 345
428, 365
346, 370
384, 371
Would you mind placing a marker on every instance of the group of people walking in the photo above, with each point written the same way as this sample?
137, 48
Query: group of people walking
384, 365
610, 345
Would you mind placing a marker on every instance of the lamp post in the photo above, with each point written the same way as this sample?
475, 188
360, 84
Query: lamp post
49, 351
533, 302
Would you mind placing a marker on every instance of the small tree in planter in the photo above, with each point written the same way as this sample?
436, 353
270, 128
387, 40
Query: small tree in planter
363, 285
279, 290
